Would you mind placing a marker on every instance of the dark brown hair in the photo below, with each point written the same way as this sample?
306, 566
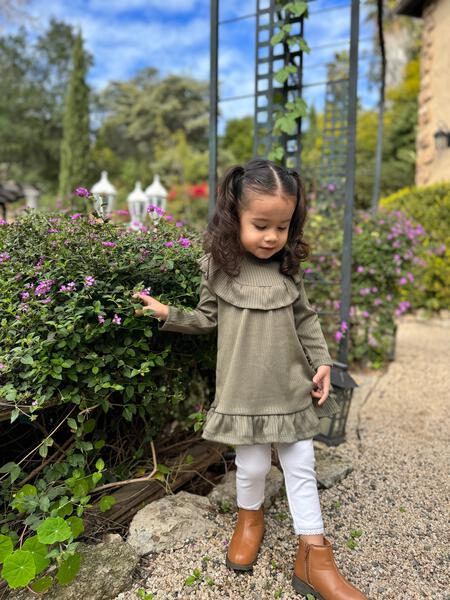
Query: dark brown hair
222, 236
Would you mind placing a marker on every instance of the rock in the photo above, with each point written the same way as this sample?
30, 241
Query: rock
169, 522
225, 492
105, 572
330, 469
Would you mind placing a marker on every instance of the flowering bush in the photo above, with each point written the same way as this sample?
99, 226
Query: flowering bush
430, 206
69, 337
386, 266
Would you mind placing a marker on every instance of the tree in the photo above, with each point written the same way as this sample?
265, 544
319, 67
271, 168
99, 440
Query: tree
75, 143
238, 139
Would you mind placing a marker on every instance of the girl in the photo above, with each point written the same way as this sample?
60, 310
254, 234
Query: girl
272, 362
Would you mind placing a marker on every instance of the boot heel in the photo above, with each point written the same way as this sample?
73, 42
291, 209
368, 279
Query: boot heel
303, 588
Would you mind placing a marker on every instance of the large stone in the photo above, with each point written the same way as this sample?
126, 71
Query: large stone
330, 469
224, 494
105, 572
169, 522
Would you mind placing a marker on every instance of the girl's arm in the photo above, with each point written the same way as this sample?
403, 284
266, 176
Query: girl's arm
202, 319
309, 331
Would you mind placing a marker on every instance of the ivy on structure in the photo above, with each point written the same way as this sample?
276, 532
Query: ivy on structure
286, 119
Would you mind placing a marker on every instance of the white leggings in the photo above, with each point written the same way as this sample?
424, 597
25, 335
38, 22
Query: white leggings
297, 461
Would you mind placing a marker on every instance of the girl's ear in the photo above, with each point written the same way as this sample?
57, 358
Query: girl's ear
230, 188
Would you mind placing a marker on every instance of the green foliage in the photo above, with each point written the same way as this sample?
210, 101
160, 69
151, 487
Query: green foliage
33, 78
69, 337
75, 143
238, 139
429, 206
385, 271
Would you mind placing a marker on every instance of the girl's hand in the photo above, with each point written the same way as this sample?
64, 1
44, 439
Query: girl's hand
160, 311
322, 382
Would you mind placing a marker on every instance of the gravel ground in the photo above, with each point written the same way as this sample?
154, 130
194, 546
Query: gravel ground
397, 496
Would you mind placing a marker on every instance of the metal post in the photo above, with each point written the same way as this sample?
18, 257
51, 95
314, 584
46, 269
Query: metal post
346, 269
213, 108
379, 150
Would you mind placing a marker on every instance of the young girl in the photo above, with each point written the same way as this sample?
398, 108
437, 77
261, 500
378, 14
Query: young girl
273, 366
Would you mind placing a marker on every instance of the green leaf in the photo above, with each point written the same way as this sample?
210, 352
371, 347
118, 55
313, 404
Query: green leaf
27, 360
190, 580
72, 424
14, 414
53, 529
42, 585
100, 464
106, 502
19, 502
39, 552
69, 569
13, 469
18, 569
6, 547
276, 39
77, 526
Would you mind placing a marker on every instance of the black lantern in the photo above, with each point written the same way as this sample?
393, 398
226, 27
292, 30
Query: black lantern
332, 429
441, 139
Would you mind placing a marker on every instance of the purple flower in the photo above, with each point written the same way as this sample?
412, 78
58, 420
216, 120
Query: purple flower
331, 187
122, 211
4, 256
109, 244
82, 192
101, 319
374, 290
360, 269
2, 366
116, 320
43, 287
3, 222
76, 216
365, 314
168, 244
45, 301
410, 276
52, 230
24, 295
338, 336
403, 281
34, 403
70, 287
344, 326
169, 218
184, 242
378, 301
147, 291
88, 281
179, 223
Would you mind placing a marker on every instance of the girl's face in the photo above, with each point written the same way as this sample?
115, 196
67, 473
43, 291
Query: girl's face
264, 224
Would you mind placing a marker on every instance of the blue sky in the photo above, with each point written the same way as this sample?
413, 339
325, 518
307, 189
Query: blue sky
173, 36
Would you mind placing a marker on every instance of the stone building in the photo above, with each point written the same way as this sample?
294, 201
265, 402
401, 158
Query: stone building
433, 136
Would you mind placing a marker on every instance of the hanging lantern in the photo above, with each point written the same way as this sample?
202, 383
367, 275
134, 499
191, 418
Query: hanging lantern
108, 192
442, 139
137, 206
157, 196
332, 429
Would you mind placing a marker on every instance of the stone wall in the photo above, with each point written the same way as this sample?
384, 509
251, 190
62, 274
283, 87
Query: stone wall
433, 165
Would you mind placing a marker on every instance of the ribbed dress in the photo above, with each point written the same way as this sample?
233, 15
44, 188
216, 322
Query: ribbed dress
269, 346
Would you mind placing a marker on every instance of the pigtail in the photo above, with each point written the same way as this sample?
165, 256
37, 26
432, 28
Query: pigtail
296, 249
222, 237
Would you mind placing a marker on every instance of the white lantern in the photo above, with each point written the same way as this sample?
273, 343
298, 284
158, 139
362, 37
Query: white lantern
31, 196
157, 195
137, 205
108, 192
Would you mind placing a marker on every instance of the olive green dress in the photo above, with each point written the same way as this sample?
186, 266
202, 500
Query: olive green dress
269, 347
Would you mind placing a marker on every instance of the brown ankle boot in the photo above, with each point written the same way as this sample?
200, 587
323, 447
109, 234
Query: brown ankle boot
316, 573
246, 540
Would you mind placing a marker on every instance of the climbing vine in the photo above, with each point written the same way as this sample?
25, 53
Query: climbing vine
286, 119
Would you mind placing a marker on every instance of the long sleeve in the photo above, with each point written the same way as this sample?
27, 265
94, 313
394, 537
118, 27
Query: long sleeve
202, 319
309, 331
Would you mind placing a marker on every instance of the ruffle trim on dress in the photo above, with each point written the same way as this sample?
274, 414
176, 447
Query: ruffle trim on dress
248, 295
262, 429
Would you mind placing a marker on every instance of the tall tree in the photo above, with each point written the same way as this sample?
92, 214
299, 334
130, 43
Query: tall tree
75, 143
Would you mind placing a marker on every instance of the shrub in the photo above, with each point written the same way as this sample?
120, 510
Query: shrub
429, 206
69, 337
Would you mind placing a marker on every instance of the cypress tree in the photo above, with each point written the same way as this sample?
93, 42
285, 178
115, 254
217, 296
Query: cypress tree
74, 163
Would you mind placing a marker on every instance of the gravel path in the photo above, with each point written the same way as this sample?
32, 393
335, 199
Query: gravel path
397, 497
